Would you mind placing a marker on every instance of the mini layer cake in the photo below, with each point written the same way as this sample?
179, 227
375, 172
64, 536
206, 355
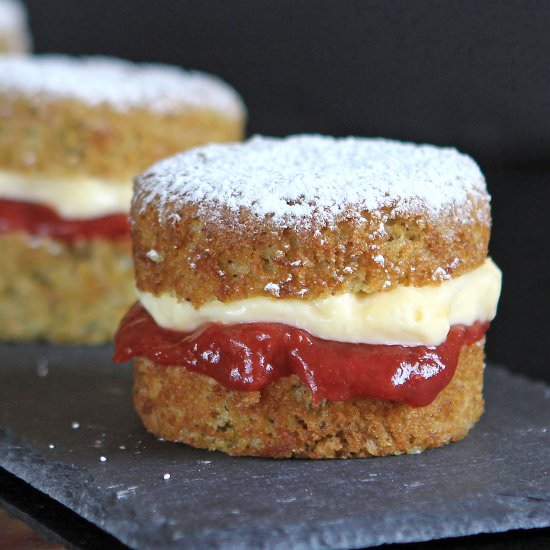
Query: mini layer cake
311, 297
14, 32
73, 133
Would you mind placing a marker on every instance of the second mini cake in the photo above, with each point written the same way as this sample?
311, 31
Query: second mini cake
14, 30
73, 133
311, 297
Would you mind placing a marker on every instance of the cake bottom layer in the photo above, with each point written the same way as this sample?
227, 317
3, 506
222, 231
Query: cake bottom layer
63, 292
281, 420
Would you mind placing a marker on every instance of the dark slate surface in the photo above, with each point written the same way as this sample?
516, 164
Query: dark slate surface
495, 480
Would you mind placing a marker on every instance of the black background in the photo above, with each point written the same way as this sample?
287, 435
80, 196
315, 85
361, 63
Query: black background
469, 73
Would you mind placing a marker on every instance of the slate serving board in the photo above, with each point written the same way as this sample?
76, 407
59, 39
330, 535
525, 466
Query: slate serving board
67, 427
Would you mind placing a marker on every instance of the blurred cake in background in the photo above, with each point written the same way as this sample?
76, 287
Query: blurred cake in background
14, 30
73, 133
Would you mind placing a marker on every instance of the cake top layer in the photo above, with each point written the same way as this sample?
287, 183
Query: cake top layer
307, 180
12, 15
121, 84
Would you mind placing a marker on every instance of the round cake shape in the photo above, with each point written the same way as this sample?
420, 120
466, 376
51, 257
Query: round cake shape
107, 117
74, 133
307, 217
240, 248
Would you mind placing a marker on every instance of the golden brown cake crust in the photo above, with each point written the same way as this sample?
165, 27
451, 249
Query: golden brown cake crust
281, 421
63, 292
218, 234
200, 261
69, 138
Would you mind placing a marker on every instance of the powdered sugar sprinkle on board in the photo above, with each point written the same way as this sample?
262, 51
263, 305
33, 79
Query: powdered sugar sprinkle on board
305, 178
120, 84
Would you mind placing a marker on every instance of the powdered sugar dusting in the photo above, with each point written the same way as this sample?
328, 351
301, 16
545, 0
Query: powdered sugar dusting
121, 84
311, 178
274, 288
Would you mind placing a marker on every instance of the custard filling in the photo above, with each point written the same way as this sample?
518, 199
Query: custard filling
72, 198
407, 316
